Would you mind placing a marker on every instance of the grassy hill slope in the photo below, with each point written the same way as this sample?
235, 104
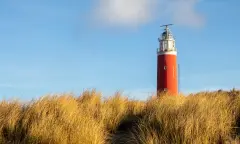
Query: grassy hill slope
205, 117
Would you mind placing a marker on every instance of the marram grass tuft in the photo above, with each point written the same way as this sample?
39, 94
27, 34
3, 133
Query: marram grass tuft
202, 118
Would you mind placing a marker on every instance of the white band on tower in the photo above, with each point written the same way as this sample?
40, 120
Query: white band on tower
168, 53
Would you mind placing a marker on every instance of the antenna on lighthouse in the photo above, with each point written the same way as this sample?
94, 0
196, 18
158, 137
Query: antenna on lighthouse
166, 26
167, 30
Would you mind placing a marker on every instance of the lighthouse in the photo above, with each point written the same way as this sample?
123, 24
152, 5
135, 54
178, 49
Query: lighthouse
167, 69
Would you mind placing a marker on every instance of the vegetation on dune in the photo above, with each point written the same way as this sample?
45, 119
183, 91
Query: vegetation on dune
206, 117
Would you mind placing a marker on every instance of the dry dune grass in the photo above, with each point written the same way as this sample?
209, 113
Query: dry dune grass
206, 117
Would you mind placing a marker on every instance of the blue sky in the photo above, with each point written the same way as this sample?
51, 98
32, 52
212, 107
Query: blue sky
67, 46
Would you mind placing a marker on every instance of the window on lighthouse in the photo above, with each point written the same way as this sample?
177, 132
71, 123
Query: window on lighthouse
170, 45
163, 37
164, 45
161, 46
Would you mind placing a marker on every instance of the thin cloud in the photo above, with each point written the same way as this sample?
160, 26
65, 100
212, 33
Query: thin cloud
17, 86
184, 13
3, 85
22, 77
138, 12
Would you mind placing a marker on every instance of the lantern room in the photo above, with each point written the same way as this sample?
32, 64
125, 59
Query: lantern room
166, 41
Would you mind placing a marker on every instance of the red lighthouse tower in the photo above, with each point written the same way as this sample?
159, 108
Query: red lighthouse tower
167, 76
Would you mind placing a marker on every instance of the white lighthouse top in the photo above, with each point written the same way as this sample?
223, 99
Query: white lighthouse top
166, 42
